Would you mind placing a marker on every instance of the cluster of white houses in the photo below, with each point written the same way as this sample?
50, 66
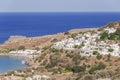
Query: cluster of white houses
34, 77
87, 43
38, 77
25, 52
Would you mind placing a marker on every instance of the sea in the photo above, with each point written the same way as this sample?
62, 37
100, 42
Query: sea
8, 63
43, 23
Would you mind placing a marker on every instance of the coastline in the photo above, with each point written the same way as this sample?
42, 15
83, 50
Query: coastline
28, 58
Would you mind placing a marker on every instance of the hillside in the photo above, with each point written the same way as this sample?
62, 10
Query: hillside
89, 55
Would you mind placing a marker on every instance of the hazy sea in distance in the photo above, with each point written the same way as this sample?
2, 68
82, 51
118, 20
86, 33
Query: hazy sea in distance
37, 24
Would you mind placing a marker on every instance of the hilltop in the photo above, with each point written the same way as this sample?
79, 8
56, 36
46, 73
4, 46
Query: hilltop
14, 42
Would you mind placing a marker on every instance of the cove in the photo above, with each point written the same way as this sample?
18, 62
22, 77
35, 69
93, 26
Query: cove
8, 63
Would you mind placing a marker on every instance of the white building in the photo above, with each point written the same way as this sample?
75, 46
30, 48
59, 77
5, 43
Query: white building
26, 52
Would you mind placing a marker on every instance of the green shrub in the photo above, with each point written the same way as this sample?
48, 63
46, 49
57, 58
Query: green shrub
95, 52
11, 72
73, 35
21, 48
55, 71
108, 57
99, 56
77, 69
101, 66
68, 69
112, 36
54, 50
104, 36
48, 66
76, 58
88, 77
66, 33
37, 48
110, 50
94, 68
54, 40
75, 46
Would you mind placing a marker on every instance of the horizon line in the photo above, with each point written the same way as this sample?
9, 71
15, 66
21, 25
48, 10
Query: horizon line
59, 12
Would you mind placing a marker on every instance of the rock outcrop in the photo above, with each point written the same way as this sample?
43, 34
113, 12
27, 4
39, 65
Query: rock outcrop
14, 42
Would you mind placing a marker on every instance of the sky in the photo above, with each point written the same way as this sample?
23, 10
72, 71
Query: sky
59, 5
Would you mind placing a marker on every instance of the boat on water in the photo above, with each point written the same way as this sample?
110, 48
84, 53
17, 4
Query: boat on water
23, 62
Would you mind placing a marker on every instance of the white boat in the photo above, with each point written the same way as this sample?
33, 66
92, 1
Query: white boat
23, 62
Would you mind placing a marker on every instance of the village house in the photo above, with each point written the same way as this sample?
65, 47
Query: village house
25, 52
38, 77
87, 44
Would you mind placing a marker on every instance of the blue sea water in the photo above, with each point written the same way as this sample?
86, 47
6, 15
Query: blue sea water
10, 63
37, 24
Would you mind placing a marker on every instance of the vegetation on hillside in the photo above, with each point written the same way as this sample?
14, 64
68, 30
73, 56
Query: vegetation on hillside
111, 36
60, 61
